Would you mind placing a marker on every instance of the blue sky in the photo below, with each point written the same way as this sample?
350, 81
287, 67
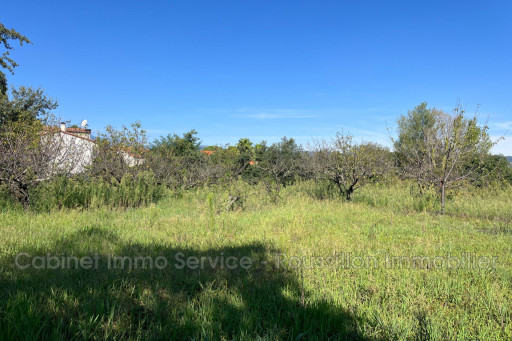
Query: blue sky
266, 69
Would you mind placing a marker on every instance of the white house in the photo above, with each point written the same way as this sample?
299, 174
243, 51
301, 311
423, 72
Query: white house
75, 150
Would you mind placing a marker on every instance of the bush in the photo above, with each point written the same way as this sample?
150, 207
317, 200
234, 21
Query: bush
80, 192
6, 202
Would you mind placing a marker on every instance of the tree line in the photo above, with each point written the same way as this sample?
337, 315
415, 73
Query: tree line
437, 150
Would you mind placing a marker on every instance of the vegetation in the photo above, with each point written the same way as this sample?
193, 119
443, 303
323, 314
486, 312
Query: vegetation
6, 62
265, 301
349, 165
262, 241
438, 149
26, 157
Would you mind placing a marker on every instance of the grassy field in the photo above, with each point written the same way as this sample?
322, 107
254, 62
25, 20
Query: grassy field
358, 290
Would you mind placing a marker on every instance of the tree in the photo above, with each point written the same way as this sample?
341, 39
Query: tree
6, 35
245, 161
492, 169
282, 162
349, 165
188, 145
245, 151
26, 104
411, 132
177, 161
119, 152
32, 151
440, 149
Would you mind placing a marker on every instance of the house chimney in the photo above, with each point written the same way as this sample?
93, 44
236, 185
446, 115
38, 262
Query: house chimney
63, 126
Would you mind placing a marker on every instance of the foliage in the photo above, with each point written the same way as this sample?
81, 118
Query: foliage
31, 152
349, 165
273, 299
188, 145
64, 192
5, 36
439, 149
491, 169
6, 62
119, 152
245, 159
26, 104
282, 162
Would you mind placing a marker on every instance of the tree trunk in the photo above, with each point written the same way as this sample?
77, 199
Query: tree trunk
20, 193
443, 195
348, 193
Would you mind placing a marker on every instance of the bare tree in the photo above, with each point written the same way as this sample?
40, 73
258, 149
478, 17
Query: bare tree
118, 152
349, 165
282, 161
32, 151
279, 165
186, 171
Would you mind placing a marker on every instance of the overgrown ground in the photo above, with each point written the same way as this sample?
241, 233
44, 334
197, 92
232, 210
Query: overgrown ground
274, 298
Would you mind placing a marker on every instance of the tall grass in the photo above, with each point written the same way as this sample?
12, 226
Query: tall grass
268, 301
80, 192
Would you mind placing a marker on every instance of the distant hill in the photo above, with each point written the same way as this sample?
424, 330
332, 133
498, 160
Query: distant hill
509, 158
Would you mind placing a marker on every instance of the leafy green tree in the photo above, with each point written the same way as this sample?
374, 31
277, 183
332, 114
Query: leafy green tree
212, 148
178, 163
186, 145
245, 160
245, 151
26, 104
441, 150
411, 134
492, 169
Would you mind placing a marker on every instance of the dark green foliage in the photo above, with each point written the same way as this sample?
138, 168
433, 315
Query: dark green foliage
177, 161
188, 145
7, 35
3, 84
413, 127
245, 158
26, 104
489, 169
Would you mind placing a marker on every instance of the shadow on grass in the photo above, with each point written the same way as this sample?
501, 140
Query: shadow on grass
263, 301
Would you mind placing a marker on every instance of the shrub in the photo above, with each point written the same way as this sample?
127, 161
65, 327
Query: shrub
81, 192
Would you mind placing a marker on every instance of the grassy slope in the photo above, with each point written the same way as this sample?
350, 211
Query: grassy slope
264, 301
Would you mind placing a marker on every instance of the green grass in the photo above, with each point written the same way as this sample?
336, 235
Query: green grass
269, 300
